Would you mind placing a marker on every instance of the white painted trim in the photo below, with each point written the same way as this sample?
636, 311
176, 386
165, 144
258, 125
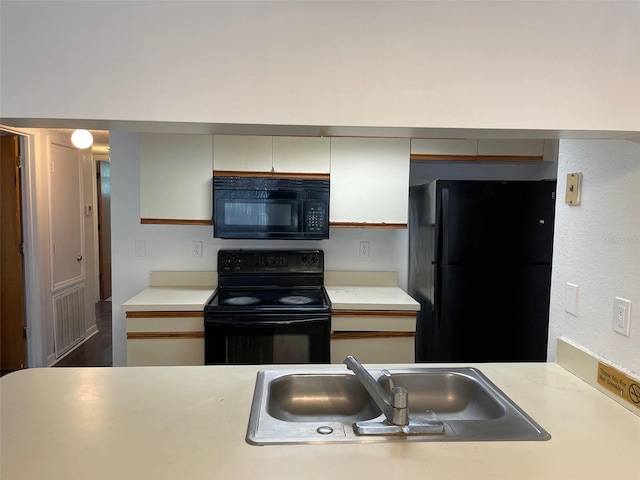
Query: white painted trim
32, 272
96, 233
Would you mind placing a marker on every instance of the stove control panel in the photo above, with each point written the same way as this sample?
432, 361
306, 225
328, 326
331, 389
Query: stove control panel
270, 261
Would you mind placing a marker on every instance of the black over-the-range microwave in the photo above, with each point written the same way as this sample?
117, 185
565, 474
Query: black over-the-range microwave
270, 207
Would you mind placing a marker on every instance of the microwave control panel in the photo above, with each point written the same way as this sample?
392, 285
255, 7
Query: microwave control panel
316, 216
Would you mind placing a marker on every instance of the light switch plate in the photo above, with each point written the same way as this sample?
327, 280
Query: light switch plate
141, 248
622, 316
571, 299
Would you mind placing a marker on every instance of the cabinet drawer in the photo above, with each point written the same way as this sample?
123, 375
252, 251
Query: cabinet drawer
379, 348
165, 322
373, 321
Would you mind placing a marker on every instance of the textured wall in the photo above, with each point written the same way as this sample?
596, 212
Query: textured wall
597, 247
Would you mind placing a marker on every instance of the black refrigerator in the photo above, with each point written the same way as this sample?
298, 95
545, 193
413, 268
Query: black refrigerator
480, 266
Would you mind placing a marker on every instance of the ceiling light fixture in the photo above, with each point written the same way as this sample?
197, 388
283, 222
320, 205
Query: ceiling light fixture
82, 139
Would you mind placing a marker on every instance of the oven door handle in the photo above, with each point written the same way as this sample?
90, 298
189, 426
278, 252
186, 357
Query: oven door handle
262, 323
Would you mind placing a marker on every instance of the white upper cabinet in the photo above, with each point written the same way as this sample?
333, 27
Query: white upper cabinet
175, 178
263, 154
369, 181
301, 154
442, 148
511, 148
242, 153
519, 150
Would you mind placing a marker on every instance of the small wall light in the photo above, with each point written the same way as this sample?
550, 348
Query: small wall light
82, 139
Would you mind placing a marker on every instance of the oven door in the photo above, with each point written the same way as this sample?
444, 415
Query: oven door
266, 339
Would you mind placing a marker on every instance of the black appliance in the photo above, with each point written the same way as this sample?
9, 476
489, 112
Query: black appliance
269, 207
270, 308
480, 266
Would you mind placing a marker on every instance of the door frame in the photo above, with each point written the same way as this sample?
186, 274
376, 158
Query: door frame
31, 258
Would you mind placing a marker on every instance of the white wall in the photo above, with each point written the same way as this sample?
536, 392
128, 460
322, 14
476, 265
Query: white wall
597, 247
507, 65
169, 247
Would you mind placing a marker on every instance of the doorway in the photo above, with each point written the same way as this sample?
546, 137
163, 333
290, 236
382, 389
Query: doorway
12, 293
103, 170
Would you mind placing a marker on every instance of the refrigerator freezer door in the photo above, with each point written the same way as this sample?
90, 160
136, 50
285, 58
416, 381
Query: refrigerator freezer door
491, 313
495, 222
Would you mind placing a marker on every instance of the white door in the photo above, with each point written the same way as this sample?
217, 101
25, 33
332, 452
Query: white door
66, 216
67, 246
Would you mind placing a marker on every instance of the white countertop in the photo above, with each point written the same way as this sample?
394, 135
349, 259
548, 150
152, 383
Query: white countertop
154, 299
370, 298
166, 298
190, 423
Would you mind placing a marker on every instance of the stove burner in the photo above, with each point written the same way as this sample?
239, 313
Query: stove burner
296, 300
242, 301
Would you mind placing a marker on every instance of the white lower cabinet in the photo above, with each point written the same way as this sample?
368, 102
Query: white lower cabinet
165, 338
373, 336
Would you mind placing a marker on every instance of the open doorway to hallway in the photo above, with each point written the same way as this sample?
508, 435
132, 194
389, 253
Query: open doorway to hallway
57, 287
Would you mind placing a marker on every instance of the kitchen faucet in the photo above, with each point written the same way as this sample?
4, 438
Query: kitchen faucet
394, 405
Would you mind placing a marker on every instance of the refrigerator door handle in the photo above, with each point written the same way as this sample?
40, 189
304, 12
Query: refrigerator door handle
444, 226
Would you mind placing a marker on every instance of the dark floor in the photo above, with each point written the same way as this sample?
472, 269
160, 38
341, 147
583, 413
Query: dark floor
96, 351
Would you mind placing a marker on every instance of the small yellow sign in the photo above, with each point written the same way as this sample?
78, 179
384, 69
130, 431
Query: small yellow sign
619, 383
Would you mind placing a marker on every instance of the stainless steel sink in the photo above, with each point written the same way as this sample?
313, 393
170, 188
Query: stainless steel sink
449, 395
323, 406
320, 398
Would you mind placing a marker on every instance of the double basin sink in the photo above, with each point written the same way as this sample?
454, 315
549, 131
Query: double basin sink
334, 405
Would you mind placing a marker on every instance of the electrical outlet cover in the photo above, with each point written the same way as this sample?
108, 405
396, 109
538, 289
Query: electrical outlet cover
622, 316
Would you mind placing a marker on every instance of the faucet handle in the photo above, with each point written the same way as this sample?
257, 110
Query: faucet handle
399, 397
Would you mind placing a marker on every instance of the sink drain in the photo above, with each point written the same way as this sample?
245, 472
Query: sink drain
325, 430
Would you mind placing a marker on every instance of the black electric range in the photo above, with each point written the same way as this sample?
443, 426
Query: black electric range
271, 307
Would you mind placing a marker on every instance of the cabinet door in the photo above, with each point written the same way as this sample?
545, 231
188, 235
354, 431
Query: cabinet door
444, 149
242, 153
175, 178
516, 149
161, 338
369, 181
374, 349
301, 154
165, 352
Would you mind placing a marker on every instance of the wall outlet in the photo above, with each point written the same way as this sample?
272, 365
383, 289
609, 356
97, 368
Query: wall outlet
364, 249
141, 248
622, 316
196, 249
